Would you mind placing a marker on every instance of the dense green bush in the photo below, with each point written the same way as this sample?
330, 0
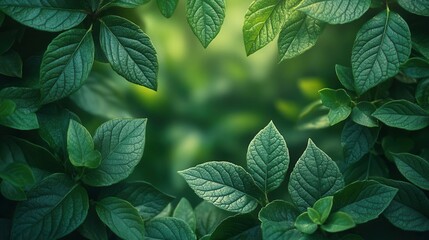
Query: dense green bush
60, 181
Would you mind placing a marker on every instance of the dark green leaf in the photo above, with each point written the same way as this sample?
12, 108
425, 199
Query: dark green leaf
369, 166
381, 46
7, 107
422, 93
52, 16
363, 200
419, 7
12, 192
55, 207
414, 168
121, 143
361, 114
167, 7
238, 227
66, 64
402, 114
416, 68
314, 176
80, 147
338, 222
185, 212
26, 104
2, 17
224, 184
11, 64
323, 206
345, 76
121, 217
129, 51
205, 18
338, 102
168, 228
124, 3
18, 174
7, 39
208, 217
93, 228
304, 224
335, 12
420, 43
5, 224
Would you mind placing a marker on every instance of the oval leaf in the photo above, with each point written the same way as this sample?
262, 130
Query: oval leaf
414, 168
338, 222
80, 147
419, 7
167, 7
278, 219
168, 228
338, 102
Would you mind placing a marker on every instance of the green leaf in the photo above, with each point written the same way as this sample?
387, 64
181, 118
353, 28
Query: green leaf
238, 227
381, 46
205, 18
167, 7
52, 16
422, 93
168, 228
402, 114
414, 168
262, 23
338, 102
129, 51
7, 107
304, 224
420, 43
121, 143
363, 200
409, 210
11, 64
224, 184
323, 206
345, 76
12, 192
123, 3
314, 215
357, 141
416, 68
419, 7
55, 207
80, 147
66, 64
361, 114
26, 104
369, 166
120, 217
314, 176
7, 39
2, 17
338, 222
93, 228
277, 220
185, 212
208, 217
268, 158
335, 12
18, 174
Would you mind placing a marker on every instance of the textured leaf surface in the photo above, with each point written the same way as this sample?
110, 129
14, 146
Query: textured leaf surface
334, 11
121, 144
268, 158
205, 18
26, 104
314, 176
185, 212
129, 51
338, 102
419, 7
381, 46
167, 7
168, 228
80, 147
55, 207
224, 184
208, 217
414, 168
361, 114
277, 220
238, 227
53, 15
121, 217
66, 64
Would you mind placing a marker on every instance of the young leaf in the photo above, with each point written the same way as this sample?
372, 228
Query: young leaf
345, 76
314, 215
262, 23
361, 114
55, 207
224, 184
66, 64
11, 64
12, 192
129, 51
357, 141
123, 3
120, 217
277, 220
334, 12
167, 7
338, 222
52, 16
208, 217
419, 7
238, 227
323, 206
268, 158
93, 228
414, 168
314, 176
363, 200
338, 102
402, 114
298, 34
381, 46
304, 224
168, 228
121, 143
26, 104
205, 18
80, 147
185, 212
18, 174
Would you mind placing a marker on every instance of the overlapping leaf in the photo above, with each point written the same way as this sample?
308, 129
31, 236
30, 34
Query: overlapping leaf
168, 228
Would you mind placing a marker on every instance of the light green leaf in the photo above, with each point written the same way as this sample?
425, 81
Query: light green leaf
402, 114
381, 46
18, 174
26, 104
129, 51
242, 226
167, 7
338, 102
123, 3
185, 212
314, 176
262, 23
298, 34
323, 206
121, 143
361, 114
168, 228
55, 207
12, 192
335, 11
208, 217
80, 147
66, 64
304, 224
11, 64
121, 217
345, 76
419, 7
314, 215
414, 168
224, 184
93, 228
268, 158
52, 16
363, 200
205, 18
338, 222
7, 107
